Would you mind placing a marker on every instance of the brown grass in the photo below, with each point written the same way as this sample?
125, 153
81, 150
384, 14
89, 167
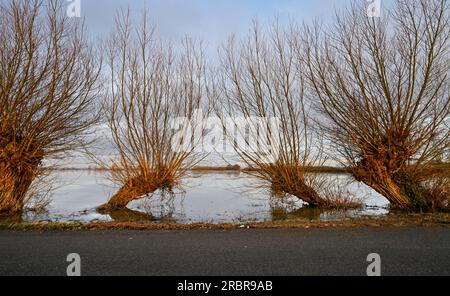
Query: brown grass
439, 189
403, 220
336, 196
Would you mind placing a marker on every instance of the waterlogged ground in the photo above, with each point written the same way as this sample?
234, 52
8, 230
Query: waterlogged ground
203, 198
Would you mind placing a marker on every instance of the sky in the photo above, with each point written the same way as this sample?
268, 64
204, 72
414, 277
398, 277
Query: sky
211, 21
208, 20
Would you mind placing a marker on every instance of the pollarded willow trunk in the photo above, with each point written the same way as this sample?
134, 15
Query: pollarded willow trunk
136, 188
18, 169
398, 187
291, 180
123, 197
301, 191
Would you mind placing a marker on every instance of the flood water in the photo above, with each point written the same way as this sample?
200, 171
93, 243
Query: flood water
203, 198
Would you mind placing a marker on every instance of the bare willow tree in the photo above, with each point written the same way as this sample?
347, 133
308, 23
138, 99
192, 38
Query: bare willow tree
383, 88
151, 107
263, 84
47, 84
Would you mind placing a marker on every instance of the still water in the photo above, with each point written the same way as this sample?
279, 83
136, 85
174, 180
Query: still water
203, 198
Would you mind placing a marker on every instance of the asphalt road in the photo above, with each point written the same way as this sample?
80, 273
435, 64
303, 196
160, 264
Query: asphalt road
403, 251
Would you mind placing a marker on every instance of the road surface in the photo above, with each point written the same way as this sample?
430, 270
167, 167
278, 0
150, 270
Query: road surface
403, 251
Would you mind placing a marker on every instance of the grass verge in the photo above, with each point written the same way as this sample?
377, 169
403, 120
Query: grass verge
397, 220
